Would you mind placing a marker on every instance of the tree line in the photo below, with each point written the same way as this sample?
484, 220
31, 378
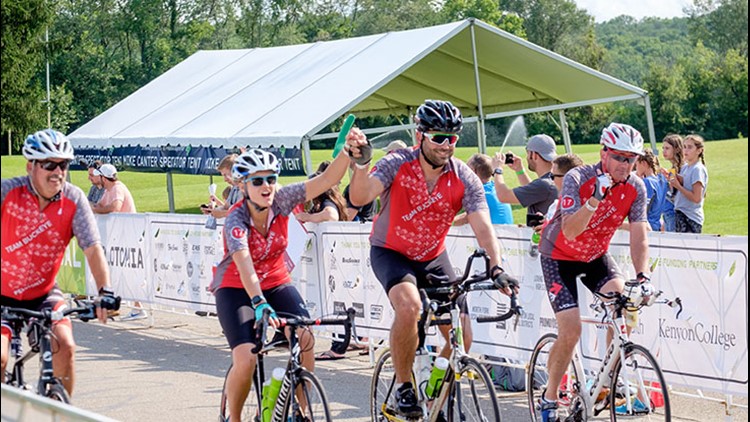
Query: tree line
100, 51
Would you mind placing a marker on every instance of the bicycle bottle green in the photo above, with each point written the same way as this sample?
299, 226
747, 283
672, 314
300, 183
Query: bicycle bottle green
269, 400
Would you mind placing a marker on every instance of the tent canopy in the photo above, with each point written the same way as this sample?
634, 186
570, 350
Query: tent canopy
278, 96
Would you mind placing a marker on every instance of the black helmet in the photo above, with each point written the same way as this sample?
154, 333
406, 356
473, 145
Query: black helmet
440, 116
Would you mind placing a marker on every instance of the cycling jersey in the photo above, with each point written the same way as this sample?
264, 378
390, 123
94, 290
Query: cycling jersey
34, 241
412, 220
625, 199
267, 252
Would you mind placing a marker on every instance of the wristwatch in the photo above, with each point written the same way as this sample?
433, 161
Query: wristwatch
257, 300
498, 170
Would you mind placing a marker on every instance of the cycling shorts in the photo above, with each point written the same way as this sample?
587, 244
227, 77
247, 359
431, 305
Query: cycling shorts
52, 300
392, 268
560, 278
237, 317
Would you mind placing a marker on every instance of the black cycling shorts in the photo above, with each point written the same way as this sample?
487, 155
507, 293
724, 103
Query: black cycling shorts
237, 317
560, 278
392, 268
54, 299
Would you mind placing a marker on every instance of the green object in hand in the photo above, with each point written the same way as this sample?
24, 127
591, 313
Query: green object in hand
347, 126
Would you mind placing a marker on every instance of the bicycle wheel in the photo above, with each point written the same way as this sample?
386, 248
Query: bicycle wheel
473, 396
251, 410
311, 403
569, 400
638, 390
56, 391
382, 388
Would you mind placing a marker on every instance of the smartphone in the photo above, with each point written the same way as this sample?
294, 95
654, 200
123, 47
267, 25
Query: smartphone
533, 220
508, 158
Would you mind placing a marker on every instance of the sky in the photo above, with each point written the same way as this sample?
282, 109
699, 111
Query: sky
604, 10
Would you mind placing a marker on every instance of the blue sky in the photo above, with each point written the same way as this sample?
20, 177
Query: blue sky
604, 10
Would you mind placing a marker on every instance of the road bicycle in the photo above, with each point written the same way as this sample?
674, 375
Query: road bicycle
466, 391
310, 403
37, 325
629, 383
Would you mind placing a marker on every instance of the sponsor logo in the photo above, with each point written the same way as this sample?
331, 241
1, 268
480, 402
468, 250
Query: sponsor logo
547, 323
164, 267
209, 250
176, 268
156, 265
120, 256
501, 309
349, 260
171, 247
237, 233
349, 284
159, 246
181, 289
185, 248
360, 309
567, 202
195, 288
331, 283
195, 248
339, 307
376, 312
698, 333
31, 236
189, 268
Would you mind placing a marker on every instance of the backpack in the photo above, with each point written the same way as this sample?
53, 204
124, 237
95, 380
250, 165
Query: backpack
508, 378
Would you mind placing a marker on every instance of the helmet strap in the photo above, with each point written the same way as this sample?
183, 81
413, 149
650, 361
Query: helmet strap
53, 198
250, 201
433, 165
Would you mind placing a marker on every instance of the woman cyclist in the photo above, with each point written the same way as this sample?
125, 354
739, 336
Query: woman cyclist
254, 276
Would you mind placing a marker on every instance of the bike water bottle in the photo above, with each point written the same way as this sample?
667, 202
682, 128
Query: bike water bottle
423, 367
265, 413
534, 248
631, 318
436, 377
273, 392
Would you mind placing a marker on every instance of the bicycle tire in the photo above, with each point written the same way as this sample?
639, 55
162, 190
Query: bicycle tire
472, 396
636, 375
251, 409
569, 400
56, 391
312, 391
381, 387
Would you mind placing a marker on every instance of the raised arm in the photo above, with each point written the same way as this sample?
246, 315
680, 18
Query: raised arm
364, 187
330, 177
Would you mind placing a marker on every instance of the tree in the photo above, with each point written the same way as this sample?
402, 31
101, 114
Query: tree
668, 93
719, 24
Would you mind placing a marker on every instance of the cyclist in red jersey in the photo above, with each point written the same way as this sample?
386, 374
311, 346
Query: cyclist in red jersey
421, 191
41, 212
254, 275
594, 201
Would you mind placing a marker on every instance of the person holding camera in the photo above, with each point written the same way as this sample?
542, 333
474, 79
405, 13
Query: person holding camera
537, 195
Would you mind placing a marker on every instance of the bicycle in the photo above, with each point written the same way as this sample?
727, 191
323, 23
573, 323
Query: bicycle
296, 378
629, 382
466, 388
38, 327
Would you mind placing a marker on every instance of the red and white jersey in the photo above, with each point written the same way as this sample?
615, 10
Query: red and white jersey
412, 220
34, 241
267, 252
626, 199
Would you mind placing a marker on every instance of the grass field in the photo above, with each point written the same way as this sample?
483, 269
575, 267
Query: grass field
725, 206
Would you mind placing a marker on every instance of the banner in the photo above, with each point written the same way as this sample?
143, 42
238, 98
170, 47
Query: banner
178, 159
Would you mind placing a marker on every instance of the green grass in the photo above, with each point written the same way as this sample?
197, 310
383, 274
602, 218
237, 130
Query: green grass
725, 206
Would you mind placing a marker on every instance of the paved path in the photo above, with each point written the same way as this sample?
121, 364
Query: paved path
172, 368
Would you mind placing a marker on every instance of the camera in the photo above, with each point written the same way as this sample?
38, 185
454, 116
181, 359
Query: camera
508, 158
533, 220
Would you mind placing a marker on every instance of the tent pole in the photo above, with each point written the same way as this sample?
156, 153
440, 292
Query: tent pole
565, 132
307, 155
650, 121
481, 140
170, 192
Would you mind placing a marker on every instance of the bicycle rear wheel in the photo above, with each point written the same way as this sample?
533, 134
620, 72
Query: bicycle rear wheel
382, 388
56, 391
569, 400
473, 396
311, 401
638, 390
251, 410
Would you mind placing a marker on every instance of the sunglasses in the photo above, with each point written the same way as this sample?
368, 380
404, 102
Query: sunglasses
623, 159
260, 180
441, 138
51, 165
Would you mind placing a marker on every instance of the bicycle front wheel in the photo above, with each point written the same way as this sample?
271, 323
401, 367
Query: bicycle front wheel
473, 396
56, 391
638, 390
569, 400
310, 403
382, 388
251, 410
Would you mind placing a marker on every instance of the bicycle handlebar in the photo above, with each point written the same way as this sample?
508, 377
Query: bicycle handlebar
85, 313
347, 320
620, 301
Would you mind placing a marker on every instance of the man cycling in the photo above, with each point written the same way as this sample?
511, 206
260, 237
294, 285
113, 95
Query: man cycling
421, 191
41, 212
594, 201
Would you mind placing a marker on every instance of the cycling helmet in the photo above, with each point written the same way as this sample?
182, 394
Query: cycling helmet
253, 161
440, 116
47, 144
621, 137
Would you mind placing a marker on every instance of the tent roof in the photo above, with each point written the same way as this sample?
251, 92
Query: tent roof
277, 96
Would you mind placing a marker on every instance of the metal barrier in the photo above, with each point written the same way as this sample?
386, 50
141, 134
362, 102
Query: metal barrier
20, 406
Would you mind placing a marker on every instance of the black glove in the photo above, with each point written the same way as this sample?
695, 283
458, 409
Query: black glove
366, 154
601, 188
501, 279
107, 299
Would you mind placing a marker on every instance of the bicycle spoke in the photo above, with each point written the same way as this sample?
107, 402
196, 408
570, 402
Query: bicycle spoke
638, 390
474, 397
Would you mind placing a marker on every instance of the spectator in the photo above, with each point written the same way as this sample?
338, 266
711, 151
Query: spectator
117, 198
535, 196
216, 207
97, 189
395, 146
500, 213
671, 150
225, 193
328, 206
691, 185
362, 214
646, 167
560, 167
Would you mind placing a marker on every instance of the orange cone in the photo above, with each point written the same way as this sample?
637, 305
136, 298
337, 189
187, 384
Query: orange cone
657, 398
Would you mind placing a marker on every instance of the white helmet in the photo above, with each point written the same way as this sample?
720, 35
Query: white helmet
621, 137
47, 144
253, 161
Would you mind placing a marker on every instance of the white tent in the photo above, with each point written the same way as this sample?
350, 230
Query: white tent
284, 95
